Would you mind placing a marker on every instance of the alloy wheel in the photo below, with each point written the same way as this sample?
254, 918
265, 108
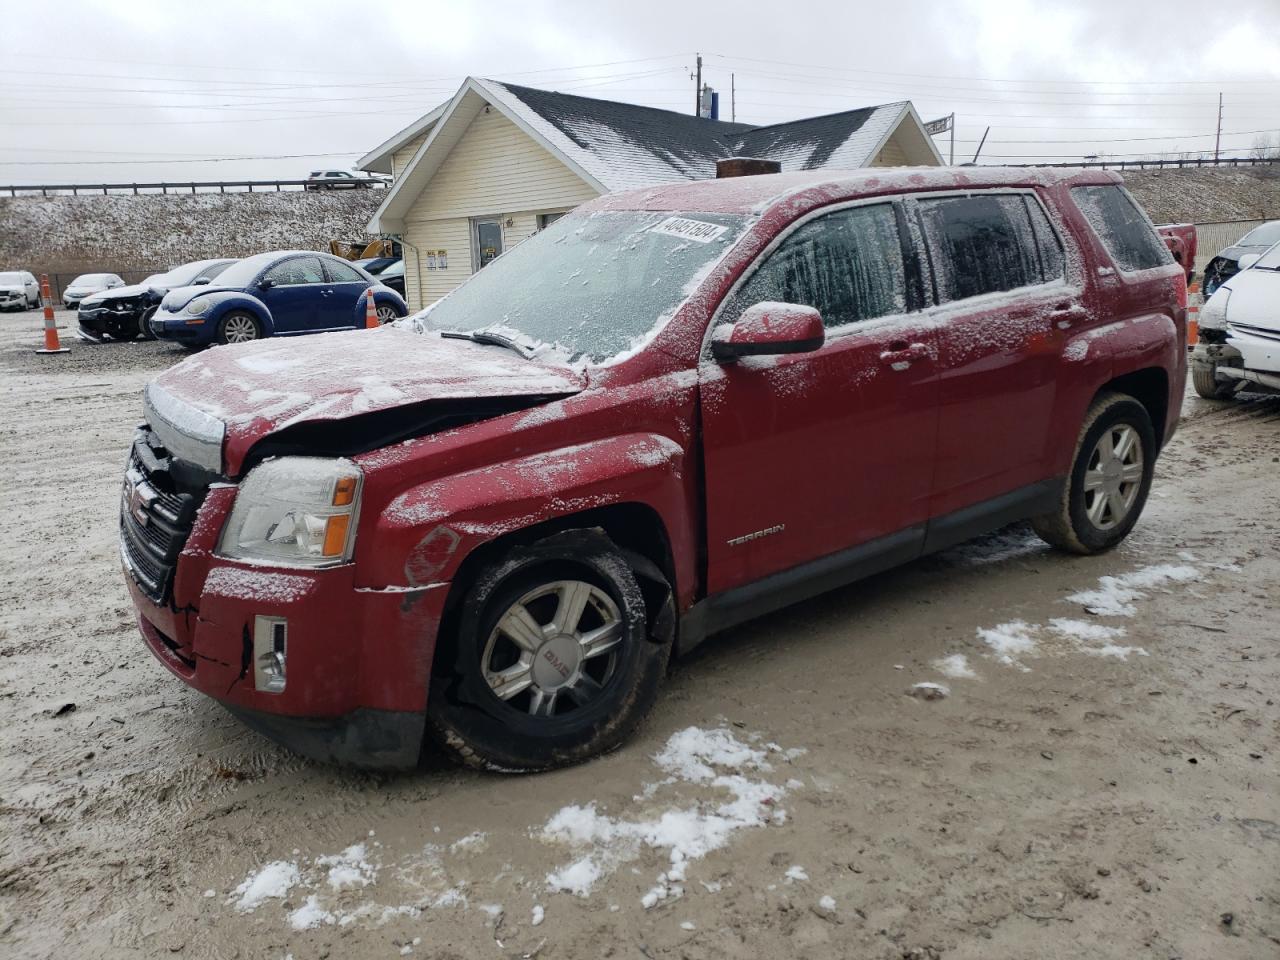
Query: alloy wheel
387, 313
240, 329
554, 649
1114, 476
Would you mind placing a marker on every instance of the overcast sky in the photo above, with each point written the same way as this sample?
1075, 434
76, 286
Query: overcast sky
90, 90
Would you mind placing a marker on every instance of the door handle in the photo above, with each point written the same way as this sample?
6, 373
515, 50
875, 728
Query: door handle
901, 354
1064, 314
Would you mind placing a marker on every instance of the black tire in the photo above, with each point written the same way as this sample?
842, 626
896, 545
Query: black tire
472, 723
1069, 526
144, 323
387, 313
1209, 386
230, 320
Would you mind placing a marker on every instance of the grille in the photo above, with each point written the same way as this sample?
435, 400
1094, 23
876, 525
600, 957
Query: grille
155, 517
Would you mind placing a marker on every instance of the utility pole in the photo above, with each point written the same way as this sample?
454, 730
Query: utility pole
697, 90
981, 143
1217, 139
733, 100
952, 162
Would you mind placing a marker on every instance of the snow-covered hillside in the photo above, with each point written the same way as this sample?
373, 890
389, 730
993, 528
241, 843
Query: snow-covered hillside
154, 231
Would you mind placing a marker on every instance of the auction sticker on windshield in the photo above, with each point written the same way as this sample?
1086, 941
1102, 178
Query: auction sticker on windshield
698, 230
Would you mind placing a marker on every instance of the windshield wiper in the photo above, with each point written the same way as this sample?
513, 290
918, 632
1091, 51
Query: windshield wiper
490, 336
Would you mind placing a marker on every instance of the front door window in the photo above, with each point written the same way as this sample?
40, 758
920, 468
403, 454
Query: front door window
488, 240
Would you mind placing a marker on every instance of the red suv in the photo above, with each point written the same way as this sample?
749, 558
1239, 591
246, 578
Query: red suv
670, 411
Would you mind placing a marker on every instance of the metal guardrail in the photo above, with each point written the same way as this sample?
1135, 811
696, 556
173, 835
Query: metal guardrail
194, 186
1156, 164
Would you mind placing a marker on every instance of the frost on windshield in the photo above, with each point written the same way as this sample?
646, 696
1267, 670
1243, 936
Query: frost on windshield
591, 286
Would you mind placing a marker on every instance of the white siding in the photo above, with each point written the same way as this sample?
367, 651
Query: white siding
400, 159
496, 170
891, 154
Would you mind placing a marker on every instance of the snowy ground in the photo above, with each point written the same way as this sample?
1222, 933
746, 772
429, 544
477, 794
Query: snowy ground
996, 752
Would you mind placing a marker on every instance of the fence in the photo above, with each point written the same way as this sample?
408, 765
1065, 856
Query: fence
1158, 164
195, 186
1213, 237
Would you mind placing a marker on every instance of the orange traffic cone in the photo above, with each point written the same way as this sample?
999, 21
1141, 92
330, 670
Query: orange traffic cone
1193, 314
370, 311
51, 344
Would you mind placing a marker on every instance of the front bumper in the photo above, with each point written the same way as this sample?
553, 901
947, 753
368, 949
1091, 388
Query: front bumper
180, 327
99, 319
358, 661
1242, 356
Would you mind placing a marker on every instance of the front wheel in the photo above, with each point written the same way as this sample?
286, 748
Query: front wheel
144, 323
238, 327
557, 656
1110, 478
387, 313
1207, 384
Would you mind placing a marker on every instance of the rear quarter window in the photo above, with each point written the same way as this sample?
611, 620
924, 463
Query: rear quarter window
1123, 228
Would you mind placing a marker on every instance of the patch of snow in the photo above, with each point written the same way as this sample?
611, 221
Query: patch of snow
1009, 641
688, 925
310, 915
796, 874
930, 691
539, 914
956, 666
827, 902
1115, 596
577, 878
472, 840
348, 868
273, 881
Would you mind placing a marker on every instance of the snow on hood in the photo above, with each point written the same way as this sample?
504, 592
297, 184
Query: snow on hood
258, 388
1254, 295
133, 290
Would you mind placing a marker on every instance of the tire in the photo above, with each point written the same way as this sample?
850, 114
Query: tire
1209, 386
565, 707
1080, 523
386, 313
231, 326
144, 323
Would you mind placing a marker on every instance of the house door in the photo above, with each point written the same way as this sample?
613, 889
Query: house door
487, 237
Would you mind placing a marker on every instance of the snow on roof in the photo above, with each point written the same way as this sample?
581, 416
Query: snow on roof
621, 146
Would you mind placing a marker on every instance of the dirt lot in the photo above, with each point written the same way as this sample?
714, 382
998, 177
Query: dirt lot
1105, 785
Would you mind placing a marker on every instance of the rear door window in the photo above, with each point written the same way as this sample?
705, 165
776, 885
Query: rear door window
1122, 227
848, 264
986, 243
341, 273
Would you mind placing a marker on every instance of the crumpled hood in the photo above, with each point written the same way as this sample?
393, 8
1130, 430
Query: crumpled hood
232, 396
118, 293
1236, 251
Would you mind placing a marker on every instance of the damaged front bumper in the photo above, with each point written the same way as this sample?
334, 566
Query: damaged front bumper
333, 671
1239, 356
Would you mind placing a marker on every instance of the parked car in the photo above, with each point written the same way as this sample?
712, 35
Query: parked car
1227, 263
1181, 240
282, 293
670, 411
125, 312
1239, 342
338, 180
375, 265
19, 290
88, 284
393, 276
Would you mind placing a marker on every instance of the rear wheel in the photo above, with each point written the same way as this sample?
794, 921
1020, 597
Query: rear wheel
1110, 478
238, 327
1207, 384
557, 656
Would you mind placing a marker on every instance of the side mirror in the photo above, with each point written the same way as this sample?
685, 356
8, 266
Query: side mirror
266, 283
767, 329
200, 281
1248, 260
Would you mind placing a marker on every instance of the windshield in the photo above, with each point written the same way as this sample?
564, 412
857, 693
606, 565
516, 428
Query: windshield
11, 278
242, 272
1262, 236
591, 285
1269, 260
187, 274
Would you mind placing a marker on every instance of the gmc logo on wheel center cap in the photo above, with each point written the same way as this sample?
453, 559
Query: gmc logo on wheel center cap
561, 667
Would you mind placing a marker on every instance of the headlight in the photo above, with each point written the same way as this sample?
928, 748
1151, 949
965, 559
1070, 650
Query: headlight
1214, 313
198, 305
295, 511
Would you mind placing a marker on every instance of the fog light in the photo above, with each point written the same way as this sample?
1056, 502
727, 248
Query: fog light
269, 634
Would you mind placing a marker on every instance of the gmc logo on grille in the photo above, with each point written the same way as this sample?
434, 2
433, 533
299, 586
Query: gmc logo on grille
135, 502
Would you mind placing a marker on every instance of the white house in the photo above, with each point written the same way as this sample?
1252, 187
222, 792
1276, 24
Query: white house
498, 162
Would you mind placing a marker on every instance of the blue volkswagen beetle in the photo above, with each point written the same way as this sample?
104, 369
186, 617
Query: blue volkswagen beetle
278, 294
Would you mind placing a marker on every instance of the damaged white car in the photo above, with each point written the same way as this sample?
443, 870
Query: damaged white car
1239, 342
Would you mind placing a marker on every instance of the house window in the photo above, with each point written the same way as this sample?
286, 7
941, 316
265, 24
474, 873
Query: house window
486, 239
547, 219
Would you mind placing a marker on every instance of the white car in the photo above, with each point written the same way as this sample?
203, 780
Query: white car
338, 180
86, 285
1239, 338
19, 290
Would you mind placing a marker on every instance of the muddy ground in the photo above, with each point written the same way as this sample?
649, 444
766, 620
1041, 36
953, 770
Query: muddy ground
1069, 803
